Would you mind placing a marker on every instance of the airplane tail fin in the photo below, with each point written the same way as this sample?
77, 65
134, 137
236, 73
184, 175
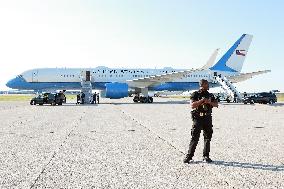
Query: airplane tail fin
234, 58
211, 60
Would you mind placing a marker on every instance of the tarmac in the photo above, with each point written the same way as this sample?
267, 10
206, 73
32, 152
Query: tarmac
121, 144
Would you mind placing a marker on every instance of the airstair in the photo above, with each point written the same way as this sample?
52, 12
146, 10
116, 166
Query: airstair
228, 87
86, 86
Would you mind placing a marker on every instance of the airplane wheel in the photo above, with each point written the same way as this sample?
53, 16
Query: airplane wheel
141, 99
252, 102
135, 99
145, 100
150, 100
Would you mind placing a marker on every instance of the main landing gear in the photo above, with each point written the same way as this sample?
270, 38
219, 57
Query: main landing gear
143, 99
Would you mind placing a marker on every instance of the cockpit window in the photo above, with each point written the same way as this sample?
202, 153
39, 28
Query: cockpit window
20, 76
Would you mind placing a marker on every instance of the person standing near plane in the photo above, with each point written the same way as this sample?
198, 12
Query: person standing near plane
235, 97
202, 103
78, 98
83, 98
94, 98
98, 98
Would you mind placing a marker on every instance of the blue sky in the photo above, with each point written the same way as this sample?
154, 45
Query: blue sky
146, 34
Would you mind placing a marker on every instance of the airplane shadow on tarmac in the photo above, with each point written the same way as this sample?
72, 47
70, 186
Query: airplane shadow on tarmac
168, 102
246, 165
127, 103
74, 104
132, 103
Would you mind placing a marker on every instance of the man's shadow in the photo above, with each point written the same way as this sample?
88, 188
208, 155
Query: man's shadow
246, 165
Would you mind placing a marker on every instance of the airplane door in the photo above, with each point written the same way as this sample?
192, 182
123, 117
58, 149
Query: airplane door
35, 76
212, 77
88, 75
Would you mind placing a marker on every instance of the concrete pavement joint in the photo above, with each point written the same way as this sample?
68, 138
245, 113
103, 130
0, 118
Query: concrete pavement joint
54, 153
42, 171
159, 137
145, 127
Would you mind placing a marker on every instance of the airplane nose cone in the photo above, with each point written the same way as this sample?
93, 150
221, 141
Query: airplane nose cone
15, 83
18, 83
11, 83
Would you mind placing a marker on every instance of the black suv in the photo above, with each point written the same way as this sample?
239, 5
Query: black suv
262, 98
49, 98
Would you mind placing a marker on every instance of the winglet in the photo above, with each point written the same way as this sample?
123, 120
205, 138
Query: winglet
211, 60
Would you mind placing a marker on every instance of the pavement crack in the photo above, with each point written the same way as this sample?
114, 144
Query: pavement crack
42, 171
55, 152
154, 133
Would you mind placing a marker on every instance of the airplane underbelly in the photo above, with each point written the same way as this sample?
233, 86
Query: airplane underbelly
176, 86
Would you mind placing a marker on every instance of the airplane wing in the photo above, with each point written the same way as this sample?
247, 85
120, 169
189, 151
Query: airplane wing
245, 76
158, 79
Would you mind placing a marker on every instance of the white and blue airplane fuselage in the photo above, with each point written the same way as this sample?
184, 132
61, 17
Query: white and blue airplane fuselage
69, 78
122, 79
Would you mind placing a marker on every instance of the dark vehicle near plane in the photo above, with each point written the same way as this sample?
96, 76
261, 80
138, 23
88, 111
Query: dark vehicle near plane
49, 98
222, 97
262, 98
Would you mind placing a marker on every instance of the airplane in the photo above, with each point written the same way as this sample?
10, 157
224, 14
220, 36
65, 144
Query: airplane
116, 83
